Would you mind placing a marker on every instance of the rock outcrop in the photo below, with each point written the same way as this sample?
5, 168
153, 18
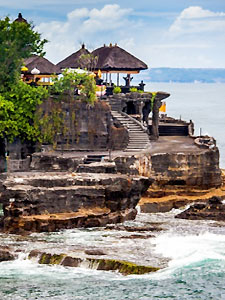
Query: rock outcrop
194, 168
5, 254
214, 209
36, 202
123, 267
163, 198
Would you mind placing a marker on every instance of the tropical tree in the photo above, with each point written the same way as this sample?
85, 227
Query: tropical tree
17, 111
18, 101
18, 41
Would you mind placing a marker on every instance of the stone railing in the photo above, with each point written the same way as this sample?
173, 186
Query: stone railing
135, 121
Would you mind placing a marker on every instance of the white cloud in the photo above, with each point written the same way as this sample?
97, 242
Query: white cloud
195, 39
78, 13
94, 27
195, 19
195, 12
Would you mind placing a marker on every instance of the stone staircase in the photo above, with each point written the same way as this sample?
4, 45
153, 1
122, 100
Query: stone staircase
138, 137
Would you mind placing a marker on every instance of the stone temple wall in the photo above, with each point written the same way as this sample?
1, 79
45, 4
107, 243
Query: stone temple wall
85, 127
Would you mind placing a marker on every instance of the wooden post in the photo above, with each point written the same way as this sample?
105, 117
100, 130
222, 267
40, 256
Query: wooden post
118, 79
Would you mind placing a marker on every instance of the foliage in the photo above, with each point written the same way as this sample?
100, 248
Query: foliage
154, 94
117, 90
50, 125
88, 61
18, 41
72, 80
133, 90
17, 108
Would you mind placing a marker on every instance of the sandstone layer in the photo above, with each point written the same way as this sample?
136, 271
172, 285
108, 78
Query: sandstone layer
163, 198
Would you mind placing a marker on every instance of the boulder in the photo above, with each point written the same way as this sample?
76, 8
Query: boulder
5, 254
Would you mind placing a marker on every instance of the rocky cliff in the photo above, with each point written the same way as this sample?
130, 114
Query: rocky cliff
49, 201
197, 168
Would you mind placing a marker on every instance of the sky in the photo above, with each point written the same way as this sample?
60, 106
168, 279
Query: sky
162, 33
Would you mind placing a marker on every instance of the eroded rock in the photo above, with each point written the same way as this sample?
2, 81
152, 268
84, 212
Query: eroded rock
5, 254
37, 202
213, 209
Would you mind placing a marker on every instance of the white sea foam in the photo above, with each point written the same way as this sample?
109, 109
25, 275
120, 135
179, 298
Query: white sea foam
189, 249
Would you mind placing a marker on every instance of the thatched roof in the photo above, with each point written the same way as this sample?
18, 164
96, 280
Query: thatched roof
114, 58
20, 19
74, 60
42, 64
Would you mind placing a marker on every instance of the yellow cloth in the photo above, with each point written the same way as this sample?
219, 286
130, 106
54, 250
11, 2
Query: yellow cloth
99, 74
163, 107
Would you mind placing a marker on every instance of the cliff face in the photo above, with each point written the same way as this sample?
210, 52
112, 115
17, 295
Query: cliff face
49, 201
200, 169
192, 169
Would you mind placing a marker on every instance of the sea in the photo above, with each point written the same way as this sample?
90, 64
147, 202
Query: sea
191, 253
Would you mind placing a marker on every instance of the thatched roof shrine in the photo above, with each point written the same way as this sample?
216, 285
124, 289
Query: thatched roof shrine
113, 59
42, 64
74, 61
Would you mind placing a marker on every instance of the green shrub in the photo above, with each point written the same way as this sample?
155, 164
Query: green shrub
117, 90
133, 90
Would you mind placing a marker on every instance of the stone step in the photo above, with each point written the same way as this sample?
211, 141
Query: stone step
135, 147
133, 150
106, 168
93, 158
138, 139
141, 133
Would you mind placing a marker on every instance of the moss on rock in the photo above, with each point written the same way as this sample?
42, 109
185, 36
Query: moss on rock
124, 267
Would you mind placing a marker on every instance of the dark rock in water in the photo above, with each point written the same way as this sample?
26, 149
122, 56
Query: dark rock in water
213, 209
94, 252
137, 236
69, 261
124, 267
5, 255
133, 228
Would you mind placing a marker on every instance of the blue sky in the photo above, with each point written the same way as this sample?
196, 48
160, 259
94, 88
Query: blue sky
163, 33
